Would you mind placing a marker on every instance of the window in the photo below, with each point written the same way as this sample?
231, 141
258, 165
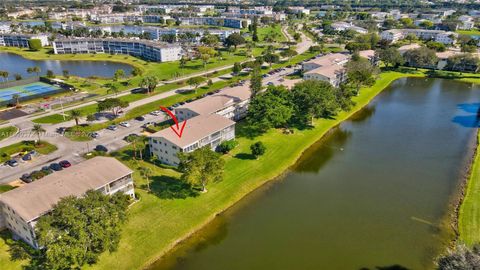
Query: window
174, 147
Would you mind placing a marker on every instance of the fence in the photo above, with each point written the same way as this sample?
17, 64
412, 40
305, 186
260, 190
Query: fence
19, 82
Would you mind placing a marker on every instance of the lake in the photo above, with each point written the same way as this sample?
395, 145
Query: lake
375, 192
14, 63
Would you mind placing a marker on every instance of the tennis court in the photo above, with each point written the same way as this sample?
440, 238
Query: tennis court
27, 91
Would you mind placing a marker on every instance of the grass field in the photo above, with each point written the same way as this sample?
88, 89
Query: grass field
7, 132
474, 32
43, 148
469, 216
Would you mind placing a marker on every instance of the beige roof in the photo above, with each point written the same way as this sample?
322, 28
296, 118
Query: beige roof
214, 103
37, 198
408, 47
195, 129
367, 53
330, 59
327, 71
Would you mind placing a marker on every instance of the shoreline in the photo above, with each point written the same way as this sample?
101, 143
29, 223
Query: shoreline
358, 107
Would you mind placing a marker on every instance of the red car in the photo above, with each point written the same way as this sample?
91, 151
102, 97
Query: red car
65, 164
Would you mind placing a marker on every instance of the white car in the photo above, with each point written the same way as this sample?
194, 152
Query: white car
125, 124
156, 113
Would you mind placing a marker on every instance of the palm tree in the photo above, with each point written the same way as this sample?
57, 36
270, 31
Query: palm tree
146, 172
112, 88
38, 130
4, 75
16, 97
75, 114
37, 70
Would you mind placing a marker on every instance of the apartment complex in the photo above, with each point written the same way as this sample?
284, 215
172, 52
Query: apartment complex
216, 21
139, 48
21, 208
444, 37
344, 26
21, 40
203, 130
329, 68
231, 103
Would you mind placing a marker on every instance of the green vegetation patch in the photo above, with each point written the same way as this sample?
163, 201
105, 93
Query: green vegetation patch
42, 147
7, 132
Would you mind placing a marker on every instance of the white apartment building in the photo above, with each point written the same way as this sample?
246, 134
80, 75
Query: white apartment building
467, 22
149, 50
299, 10
231, 103
444, 37
21, 40
329, 68
200, 131
21, 208
343, 26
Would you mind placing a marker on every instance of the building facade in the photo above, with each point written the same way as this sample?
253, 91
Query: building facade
21, 40
21, 208
200, 131
139, 48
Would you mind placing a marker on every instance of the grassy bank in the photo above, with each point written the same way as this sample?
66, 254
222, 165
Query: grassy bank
172, 212
43, 148
7, 132
469, 216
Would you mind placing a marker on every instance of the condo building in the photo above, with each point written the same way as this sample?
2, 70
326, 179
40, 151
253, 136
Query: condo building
435, 35
21, 208
21, 40
329, 68
216, 21
200, 131
148, 50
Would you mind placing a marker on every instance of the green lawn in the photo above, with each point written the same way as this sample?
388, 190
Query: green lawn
469, 216
7, 132
43, 148
276, 29
5, 188
473, 32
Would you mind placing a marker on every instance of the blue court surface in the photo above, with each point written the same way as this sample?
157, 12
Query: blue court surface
28, 90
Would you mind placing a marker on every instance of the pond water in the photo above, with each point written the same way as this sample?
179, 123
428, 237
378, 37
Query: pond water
14, 63
376, 192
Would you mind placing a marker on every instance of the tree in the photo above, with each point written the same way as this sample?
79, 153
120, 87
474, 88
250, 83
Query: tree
411, 38
35, 69
17, 76
4, 74
360, 72
79, 229
271, 58
255, 82
16, 97
272, 108
147, 173
210, 40
237, 67
421, 57
390, 56
234, 40
289, 53
50, 73
460, 258
113, 104
195, 82
436, 46
136, 71
149, 82
112, 88
463, 62
35, 44
183, 62
38, 130
91, 118
226, 146
297, 36
75, 114
426, 24
201, 167
119, 73
258, 149
66, 73
205, 54
313, 99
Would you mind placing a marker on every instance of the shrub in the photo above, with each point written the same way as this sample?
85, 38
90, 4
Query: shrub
227, 146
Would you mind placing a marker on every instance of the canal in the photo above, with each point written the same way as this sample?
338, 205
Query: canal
16, 64
375, 192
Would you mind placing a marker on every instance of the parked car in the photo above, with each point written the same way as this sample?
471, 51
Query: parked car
56, 167
140, 118
65, 164
139, 90
12, 163
101, 148
270, 83
26, 178
112, 127
47, 170
125, 124
27, 157
61, 130
155, 113
33, 153
94, 135
189, 100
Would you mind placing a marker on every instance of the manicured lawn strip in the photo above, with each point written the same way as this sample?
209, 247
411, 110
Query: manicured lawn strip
7, 132
474, 32
469, 216
5, 262
277, 28
156, 224
43, 148
5, 188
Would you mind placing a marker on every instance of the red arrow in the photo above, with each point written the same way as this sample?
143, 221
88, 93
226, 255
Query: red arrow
177, 130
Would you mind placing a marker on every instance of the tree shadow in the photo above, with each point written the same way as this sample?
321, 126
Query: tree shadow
19, 250
244, 156
167, 187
